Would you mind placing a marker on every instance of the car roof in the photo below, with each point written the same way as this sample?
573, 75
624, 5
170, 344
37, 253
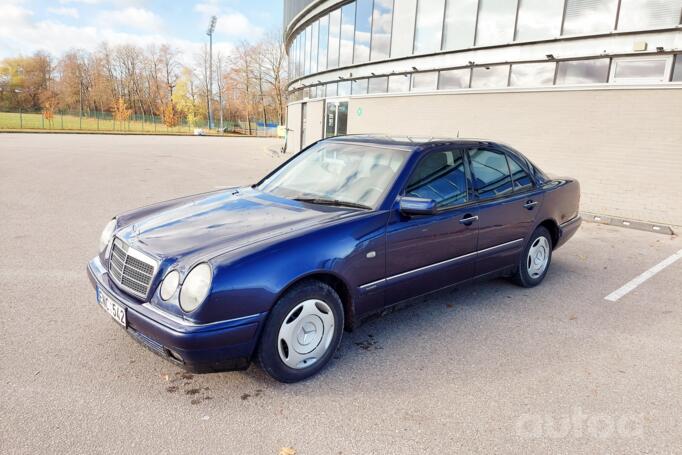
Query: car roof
406, 142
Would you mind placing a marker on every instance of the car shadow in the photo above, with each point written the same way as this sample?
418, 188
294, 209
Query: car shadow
445, 314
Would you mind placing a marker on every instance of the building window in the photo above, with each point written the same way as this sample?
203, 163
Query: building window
490, 76
649, 14
583, 72
314, 46
320, 91
399, 83
429, 26
496, 19
299, 55
382, 20
347, 34
343, 88
377, 85
640, 70
584, 17
308, 47
334, 38
532, 74
677, 69
454, 79
460, 24
424, 82
539, 19
363, 31
403, 27
331, 89
324, 41
360, 87
294, 57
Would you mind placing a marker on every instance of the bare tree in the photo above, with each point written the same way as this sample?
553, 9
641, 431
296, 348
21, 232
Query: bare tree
273, 58
250, 82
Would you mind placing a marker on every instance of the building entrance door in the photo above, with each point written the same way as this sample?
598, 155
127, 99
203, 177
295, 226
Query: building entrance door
336, 118
304, 117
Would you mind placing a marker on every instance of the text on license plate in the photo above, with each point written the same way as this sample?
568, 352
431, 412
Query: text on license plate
114, 309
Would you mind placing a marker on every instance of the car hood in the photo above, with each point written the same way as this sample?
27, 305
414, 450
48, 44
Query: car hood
211, 224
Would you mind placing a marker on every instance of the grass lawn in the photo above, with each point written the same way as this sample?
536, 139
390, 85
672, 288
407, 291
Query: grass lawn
15, 121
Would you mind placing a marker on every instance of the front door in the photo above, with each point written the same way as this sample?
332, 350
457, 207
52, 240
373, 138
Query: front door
426, 253
304, 118
336, 118
508, 202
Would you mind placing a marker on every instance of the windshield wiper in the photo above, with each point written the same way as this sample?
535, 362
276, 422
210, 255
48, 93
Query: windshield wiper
333, 202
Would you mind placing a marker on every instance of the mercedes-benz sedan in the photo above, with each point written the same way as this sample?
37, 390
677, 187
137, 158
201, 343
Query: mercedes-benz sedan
346, 228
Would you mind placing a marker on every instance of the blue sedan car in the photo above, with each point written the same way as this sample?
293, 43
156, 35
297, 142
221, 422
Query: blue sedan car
346, 228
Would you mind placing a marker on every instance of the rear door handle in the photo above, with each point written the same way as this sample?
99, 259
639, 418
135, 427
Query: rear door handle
469, 220
530, 204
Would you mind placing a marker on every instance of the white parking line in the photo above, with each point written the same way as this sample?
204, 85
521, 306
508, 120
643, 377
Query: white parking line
632, 285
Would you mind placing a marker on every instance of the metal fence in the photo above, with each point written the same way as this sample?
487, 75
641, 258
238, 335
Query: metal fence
136, 123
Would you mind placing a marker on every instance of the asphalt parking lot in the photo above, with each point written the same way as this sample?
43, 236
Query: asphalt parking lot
486, 368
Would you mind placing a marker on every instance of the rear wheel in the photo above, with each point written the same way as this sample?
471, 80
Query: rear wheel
302, 332
535, 260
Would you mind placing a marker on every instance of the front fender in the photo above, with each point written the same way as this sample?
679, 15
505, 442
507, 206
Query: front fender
251, 282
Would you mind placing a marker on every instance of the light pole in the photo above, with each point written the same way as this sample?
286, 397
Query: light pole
209, 32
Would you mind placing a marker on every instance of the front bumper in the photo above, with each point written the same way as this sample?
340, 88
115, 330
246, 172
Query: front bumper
219, 346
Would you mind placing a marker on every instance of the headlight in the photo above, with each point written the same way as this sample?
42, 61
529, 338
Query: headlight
169, 285
195, 287
107, 233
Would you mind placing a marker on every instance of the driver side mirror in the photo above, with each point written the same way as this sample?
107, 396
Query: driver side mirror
417, 206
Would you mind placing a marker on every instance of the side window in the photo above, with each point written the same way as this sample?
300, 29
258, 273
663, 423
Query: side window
491, 174
441, 177
522, 181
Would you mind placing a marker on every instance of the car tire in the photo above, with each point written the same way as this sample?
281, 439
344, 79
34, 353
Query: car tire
535, 259
302, 332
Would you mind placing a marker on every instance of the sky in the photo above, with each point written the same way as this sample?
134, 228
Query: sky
56, 26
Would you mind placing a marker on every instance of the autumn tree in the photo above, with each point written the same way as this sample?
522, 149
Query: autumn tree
249, 83
121, 112
171, 115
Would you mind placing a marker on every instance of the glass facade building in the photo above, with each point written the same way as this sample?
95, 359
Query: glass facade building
350, 34
589, 77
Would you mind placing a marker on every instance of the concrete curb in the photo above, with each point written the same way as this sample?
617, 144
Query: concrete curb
626, 223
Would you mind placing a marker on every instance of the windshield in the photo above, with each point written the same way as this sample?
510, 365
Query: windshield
338, 174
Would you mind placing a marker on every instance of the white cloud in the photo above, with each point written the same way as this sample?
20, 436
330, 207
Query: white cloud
210, 7
236, 25
131, 17
21, 33
84, 2
63, 11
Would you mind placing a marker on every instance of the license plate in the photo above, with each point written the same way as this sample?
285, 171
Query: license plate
114, 309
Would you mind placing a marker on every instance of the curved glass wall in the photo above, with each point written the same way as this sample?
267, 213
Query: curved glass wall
372, 30
576, 73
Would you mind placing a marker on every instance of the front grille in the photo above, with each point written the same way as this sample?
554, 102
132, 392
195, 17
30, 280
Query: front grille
130, 269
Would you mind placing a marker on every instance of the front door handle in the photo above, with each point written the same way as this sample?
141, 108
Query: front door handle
530, 204
468, 220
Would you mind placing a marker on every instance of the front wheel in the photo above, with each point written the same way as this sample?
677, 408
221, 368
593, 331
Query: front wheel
535, 259
302, 332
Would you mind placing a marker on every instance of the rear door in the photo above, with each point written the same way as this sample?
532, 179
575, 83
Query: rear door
426, 253
508, 204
